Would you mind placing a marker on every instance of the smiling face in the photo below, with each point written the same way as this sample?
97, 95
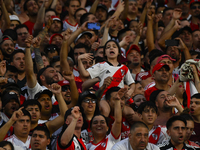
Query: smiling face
177, 132
111, 50
99, 126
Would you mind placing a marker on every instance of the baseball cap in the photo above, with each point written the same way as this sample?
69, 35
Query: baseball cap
46, 91
194, 1
133, 47
80, 35
87, 94
14, 18
9, 96
6, 37
63, 83
159, 66
55, 18
56, 34
102, 6
164, 57
177, 33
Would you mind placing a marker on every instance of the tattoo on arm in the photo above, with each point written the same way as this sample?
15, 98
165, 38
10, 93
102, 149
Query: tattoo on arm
38, 59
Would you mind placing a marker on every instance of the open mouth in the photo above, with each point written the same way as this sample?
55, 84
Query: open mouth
13, 108
47, 107
191, 110
112, 52
180, 138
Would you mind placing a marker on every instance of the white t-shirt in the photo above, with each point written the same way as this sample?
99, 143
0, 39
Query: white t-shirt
67, 25
18, 144
105, 144
36, 89
125, 145
120, 74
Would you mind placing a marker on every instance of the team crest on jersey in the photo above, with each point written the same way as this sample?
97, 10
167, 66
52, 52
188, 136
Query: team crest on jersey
103, 144
155, 136
126, 124
122, 72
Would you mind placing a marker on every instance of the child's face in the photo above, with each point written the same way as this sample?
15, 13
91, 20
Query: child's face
111, 50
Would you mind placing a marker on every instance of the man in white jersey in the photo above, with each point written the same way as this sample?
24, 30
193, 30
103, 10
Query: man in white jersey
21, 122
138, 139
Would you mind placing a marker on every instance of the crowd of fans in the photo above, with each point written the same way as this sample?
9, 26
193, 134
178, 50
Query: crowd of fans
99, 74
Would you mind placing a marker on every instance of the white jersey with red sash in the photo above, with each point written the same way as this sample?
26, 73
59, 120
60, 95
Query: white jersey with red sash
105, 144
67, 25
125, 127
120, 74
157, 135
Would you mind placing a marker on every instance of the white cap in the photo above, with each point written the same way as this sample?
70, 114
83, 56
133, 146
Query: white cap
14, 17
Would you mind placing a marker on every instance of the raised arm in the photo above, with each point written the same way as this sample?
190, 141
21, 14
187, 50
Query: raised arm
55, 124
6, 18
69, 132
38, 26
5, 128
167, 35
144, 12
94, 7
30, 76
139, 32
184, 48
87, 56
150, 37
124, 14
116, 127
38, 57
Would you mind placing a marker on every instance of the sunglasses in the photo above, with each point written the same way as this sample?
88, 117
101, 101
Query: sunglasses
65, 88
195, 7
90, 100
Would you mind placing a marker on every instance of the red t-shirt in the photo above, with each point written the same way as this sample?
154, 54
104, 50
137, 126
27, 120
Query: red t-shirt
30, 26
194, 26
149, 91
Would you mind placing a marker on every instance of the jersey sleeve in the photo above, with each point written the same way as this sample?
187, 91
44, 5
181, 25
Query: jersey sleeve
95, 70
128, 78
118, 147
35, 90
69, 145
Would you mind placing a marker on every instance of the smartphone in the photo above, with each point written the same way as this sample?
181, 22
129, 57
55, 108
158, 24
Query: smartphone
172, 42
94, 26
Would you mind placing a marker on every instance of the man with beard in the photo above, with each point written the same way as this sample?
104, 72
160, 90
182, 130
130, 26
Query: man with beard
195, 12
56, 26
101, 13
31, 9
176, 129
18, 60
165, 103
160, 74
45, 77
7, 47
134, 56
22, 34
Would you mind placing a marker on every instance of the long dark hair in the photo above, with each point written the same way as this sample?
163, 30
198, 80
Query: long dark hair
104, 49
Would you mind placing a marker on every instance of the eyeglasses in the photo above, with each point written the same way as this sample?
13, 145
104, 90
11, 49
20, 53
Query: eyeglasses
195, 7
65, 88
20, 34
89, 100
